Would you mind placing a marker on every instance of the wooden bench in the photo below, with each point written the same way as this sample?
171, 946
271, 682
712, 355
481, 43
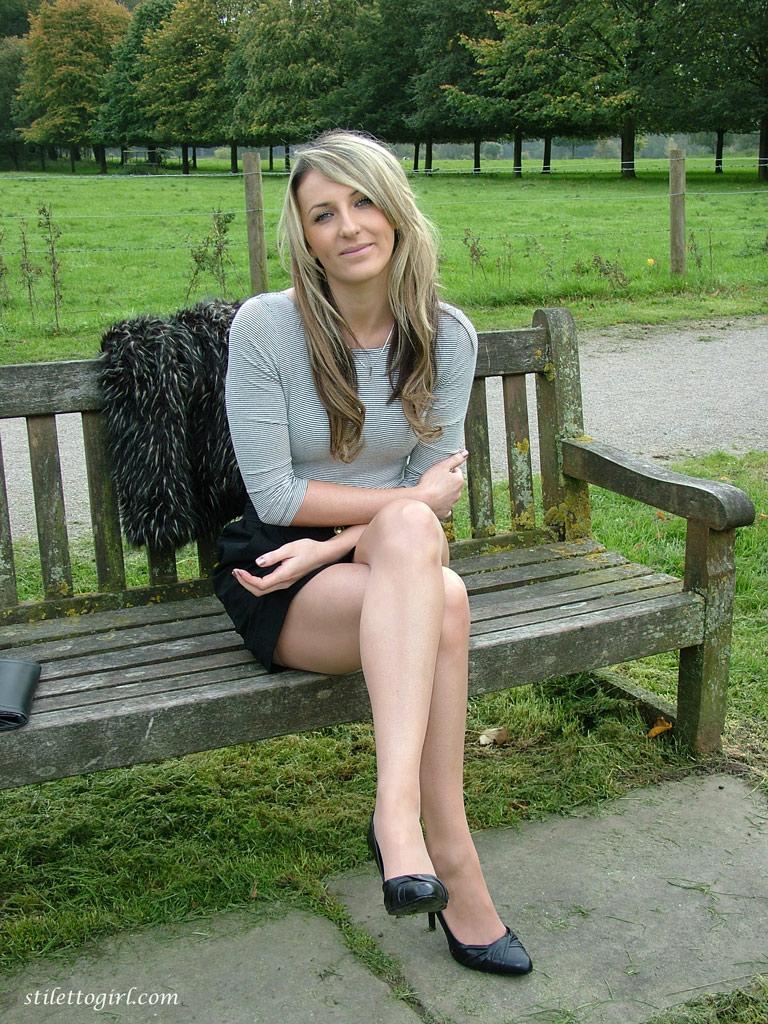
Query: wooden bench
133, 675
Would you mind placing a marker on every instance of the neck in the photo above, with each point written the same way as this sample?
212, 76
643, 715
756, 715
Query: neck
366, 309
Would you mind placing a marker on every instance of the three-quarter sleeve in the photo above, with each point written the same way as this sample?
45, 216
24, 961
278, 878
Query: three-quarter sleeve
258, 416
456, 360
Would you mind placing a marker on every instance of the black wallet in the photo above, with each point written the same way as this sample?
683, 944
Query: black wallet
18, 682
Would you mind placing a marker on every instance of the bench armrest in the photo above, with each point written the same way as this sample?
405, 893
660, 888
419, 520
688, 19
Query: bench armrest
718, 505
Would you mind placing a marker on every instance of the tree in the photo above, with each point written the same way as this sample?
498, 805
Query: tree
14, 16
122, 119
291, 56
182, 86
69, 50
11, 67
442, 61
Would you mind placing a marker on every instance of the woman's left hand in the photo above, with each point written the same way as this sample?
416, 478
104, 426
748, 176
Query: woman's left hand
292, 561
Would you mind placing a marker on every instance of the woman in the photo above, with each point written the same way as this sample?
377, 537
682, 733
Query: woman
346, 396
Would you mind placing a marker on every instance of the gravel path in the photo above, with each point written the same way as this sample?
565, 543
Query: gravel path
658, 391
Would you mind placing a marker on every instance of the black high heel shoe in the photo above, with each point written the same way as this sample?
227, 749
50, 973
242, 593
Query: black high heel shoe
506, 955
408, 894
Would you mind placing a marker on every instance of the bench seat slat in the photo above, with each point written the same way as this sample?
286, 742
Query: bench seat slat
245, 709
118, 683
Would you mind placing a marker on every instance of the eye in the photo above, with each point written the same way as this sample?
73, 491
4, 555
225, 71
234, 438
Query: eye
364, 201
321, 216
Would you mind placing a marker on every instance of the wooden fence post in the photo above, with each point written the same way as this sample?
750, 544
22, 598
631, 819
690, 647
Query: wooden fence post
254, 218
677, 211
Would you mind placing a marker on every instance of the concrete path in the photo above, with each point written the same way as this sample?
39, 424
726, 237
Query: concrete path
653, 900
660, 391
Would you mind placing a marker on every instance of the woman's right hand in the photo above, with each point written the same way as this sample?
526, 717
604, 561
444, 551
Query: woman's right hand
441, 485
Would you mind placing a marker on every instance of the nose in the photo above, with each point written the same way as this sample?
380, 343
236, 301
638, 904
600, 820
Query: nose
348, 225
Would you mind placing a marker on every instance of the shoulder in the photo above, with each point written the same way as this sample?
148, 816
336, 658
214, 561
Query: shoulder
455, 329
266, 322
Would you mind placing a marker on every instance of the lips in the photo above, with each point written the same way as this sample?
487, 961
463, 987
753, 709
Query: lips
356, 249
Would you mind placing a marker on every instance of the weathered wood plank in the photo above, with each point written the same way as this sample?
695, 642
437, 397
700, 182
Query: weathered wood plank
479, 480
719, 505
107, 538
558, 390
206, 555
46, 388
527, 575
49, 506
702, 684
162, 567
146, 729
519, 469
8, 592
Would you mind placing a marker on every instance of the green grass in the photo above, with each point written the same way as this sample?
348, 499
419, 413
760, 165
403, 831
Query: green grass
260, 825
125, 246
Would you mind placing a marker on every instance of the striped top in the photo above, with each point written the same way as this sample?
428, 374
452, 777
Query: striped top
279, 426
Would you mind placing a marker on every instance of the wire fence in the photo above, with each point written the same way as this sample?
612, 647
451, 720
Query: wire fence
564, 241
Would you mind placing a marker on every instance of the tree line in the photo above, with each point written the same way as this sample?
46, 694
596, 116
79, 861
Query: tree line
100, 73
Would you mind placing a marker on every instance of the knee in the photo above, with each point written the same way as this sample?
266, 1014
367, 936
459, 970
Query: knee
456, 615
409, 527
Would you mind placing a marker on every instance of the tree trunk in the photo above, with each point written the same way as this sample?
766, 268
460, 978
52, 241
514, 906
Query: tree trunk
101, 156
184, 158
416, 146
428, 157
476, 168
152, 153
78, 155
271, 158
42, 157
517, 159
628, 150
123, 155
72, 158
53, 153
287, 157
194, 158
15, 156
233, 157
719, 152
762, 158
546, 167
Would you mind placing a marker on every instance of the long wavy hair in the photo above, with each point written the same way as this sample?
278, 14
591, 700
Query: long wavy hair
359, 161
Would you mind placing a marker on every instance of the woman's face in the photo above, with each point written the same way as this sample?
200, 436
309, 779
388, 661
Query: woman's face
351, 237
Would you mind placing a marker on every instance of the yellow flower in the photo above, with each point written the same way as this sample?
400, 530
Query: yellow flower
651, 262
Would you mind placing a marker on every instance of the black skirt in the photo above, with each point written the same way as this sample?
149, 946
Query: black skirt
259, 620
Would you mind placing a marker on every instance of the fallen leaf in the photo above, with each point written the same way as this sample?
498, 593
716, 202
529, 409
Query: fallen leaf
661, 725
496, 736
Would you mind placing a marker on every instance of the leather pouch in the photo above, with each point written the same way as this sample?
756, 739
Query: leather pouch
18, 682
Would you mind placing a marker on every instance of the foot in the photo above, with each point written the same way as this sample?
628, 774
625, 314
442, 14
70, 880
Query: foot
470, 913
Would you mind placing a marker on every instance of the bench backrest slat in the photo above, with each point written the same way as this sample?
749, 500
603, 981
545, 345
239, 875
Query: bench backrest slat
518, 451
105, 518
8, 592
479, 480
42, 389
49, 505
162, 567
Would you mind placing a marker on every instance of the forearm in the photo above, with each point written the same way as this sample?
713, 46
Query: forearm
327, 504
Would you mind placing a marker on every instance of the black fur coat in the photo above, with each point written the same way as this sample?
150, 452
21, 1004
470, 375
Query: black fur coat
173, 464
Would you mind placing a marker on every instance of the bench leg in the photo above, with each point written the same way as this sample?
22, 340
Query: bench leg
703, 675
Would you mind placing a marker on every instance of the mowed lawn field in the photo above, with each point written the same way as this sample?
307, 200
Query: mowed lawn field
581, 237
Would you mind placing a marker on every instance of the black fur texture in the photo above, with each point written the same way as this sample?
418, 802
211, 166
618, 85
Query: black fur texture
175, 471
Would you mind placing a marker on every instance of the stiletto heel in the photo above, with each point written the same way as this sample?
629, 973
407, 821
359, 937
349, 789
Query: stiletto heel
431, 918
506, 955
408, 894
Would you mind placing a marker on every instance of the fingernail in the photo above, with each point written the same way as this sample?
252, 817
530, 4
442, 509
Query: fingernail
260, 561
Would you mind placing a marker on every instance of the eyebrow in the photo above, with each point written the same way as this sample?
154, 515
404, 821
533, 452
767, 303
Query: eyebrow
328, 202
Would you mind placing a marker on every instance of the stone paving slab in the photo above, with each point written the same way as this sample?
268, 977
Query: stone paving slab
233, 968
661, 897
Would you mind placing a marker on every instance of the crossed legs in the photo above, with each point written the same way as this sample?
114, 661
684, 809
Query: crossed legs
402, 615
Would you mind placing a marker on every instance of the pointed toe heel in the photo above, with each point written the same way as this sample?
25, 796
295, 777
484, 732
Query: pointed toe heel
506, 955
408, 894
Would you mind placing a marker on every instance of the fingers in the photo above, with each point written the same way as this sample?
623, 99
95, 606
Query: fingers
457, 460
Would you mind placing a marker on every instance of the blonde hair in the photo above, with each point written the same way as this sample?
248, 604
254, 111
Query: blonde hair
359, 161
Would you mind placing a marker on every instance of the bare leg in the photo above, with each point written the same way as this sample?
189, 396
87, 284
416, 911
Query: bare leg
470, 913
